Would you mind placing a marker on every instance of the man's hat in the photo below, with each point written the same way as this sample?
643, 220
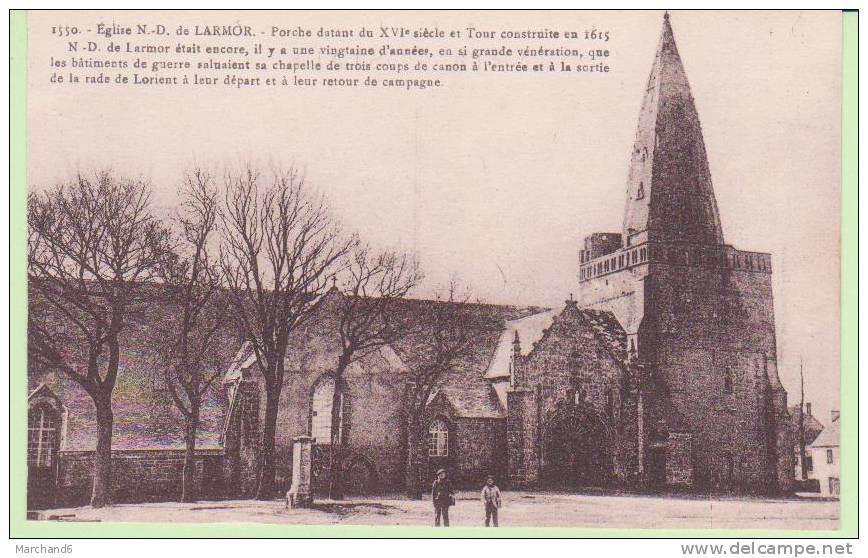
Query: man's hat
441, 471
489, 477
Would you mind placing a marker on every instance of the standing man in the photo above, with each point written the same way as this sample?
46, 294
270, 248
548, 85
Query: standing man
491, 500
443, 497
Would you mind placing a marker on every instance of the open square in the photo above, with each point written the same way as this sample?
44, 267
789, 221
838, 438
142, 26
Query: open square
520, 509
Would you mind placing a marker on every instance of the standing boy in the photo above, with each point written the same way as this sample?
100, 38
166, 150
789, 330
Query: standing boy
491, 499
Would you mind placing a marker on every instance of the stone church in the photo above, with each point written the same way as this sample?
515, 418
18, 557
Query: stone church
661, 374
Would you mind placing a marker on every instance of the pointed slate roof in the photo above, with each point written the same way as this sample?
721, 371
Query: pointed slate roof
669, 189
813, 427
830, 437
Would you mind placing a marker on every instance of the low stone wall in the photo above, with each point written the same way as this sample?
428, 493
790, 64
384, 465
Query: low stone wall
141, 475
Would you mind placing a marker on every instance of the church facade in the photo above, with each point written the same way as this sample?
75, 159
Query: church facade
660, 375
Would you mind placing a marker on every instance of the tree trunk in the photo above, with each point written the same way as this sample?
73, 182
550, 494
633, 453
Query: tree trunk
102, 459
411, 466
335, 442
265, 486
188, 481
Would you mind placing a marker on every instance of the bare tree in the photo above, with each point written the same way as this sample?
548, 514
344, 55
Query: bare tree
280, 248
368, 319
188, 355
94, 246
444, 338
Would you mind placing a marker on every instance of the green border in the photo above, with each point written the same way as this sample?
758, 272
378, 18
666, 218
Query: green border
20, 528
850, 274
17, 269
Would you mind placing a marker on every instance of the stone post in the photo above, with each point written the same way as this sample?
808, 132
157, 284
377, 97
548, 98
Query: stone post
299, 495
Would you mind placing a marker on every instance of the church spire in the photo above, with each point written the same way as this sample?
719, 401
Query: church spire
669, 191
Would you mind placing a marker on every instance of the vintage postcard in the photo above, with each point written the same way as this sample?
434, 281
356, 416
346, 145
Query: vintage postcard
434, 269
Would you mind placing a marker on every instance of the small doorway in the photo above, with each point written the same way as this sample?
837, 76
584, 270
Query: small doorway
656, 468
728, 472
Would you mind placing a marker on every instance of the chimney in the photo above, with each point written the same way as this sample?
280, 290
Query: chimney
835, 415
808, 409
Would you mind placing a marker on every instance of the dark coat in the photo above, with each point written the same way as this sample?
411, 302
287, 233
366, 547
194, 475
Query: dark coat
442, 492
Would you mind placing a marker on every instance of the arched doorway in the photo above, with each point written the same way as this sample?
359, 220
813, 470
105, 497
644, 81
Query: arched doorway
576, 448
320, 425
321, 398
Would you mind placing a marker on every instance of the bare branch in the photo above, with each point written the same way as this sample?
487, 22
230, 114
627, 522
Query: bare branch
280, 248
94, 246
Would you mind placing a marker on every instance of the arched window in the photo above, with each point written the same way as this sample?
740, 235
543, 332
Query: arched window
640, 193
579, 395
41, 436
321, 411
438, 438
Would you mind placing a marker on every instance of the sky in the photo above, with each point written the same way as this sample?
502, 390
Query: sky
496, 179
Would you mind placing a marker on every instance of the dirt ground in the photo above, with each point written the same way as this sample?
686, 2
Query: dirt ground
520, 509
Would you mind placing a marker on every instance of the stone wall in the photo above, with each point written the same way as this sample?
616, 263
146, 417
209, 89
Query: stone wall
138, 475
702, 314
522, 436
481, 448
715, 356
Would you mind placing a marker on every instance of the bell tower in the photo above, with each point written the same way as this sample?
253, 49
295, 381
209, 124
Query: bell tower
698, 311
